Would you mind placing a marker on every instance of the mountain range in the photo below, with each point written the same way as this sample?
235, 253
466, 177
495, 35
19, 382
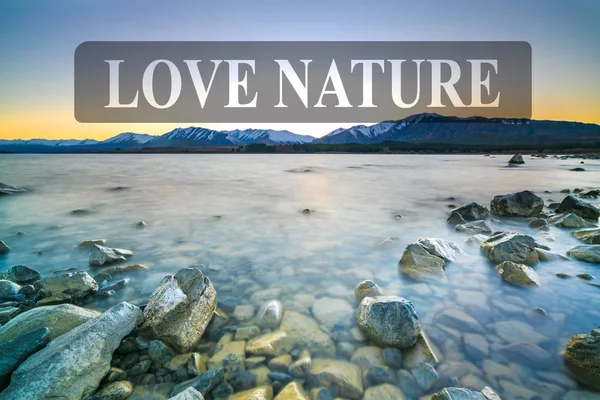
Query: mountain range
419, 128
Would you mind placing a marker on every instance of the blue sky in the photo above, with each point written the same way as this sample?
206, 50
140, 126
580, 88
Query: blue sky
38, 38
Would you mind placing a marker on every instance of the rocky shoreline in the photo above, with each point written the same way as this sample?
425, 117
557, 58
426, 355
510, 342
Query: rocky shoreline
187, 342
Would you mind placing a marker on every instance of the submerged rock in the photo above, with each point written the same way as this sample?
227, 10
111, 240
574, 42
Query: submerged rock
305, 333
77, 285
188, 394
119, 390
333, 313
520, 204
8, 290
579, 207
389, 321
100, 255
73, 365
591, 236
516, 159
476, 240
89, 243
418, 263
539, 224
270, 344
270, 315
16, 351
58, 319
20, 274
586, 252
367, 289
567, 220
471, 212
345, 376
258, 393
9, 190
454, 393
384, 392
510, 246
474, 227
292, 391
518, 274
4, 248
582, 358
180, 309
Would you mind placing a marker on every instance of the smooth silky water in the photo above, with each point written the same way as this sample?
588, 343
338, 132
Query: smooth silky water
239, 217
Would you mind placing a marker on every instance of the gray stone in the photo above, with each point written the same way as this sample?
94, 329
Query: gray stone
6, 190
73, 365
89, 243
539, 223
590, 236
510, 246
420, 264
568, 220
520, 204
20, 274
100, 255
16, 351
586, 252
180, 309
8, 290
119, 390
202, 383
441, 248
518, 274
477, 239
188, 394
579, 207
526, 353
389, 321
454, 393
474, 227
270, 315
392, 357
425, 375
471, 212
304, 332
4, 247
516, 159
384, 392
347, 377
76, 285
367, 288
582, 358
333, 312
159, 352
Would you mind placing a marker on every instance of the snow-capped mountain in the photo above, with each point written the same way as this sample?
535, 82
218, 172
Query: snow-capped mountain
47, 142
129, 138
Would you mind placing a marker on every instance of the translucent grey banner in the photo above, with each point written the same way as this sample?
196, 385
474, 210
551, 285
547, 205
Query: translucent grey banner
299, 81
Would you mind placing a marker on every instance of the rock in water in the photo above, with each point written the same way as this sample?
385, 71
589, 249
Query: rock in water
8, 289
521, 204
344, 376
516, 159
590, 236
292, 391
72, 366
444, 249
582, 357
188, 394
20, 274
306, 333
58, 319
100, 255
471, 212
389, 321
586, 252
16, 351
418, 263
510, 246
474, 227
4, 248
77, 285
270, 314
180, 308
8, 190
367, 289
454, 393
581, 208
568, 220
518, 274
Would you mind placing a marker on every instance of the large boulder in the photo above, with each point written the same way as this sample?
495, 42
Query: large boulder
100, 255
586, 252
590, 236
510, 246
582, 358
20, 274
520, 204
77, 285
518, 274
73, 365
16, 351
306, 333
180, 308
471, 212
579, 207
420, 264
516, 159
389, 321
346, 377
58, 319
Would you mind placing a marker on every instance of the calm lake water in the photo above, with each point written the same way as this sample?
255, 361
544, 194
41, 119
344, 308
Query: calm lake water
240, 216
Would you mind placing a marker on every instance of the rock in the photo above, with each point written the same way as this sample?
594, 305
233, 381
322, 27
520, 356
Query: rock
471, 212
539, 224
305, 333
270, 315
4, 248
247, 332
60, 298
20, 274
270, 344
243, 313
392, 357
517, 331
301, 367
196, 364
581, 395
476, 239
525, 353
188, 394
280, 363
476, 346
579, 207
586, 277
586, 252
384, 392
577, 169
73, 365
454, 393
516, 159
259, 393
100, 255
159, 391
474, 227
418, 263
518, 274
121, 269
180, 309
255, 361
16, 351
422, 352
441, 248
333, 312
455, 218
425, 375
346, 376
9, 290
367, 357
458, 319
510, 246
520, 204
232, 354
119, 390
591, 236
6, 190
567, 220
292, 391
389, 321
203, 383
58, 319
367, 289
159, 352
582, 358
76, 285
89, 243
8, 312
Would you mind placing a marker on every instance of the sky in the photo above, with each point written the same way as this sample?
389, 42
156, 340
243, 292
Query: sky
38, 39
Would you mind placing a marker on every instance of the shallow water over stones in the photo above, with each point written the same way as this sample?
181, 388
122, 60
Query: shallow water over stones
261, 247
